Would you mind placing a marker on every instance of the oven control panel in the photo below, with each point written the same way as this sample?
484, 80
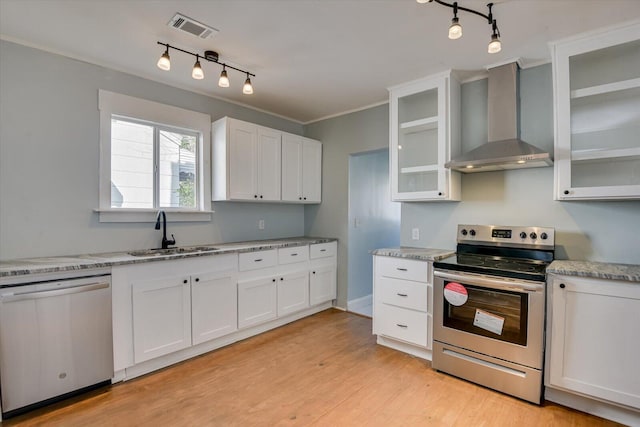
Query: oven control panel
515, 236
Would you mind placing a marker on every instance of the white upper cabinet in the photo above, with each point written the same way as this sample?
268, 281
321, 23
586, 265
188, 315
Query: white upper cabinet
424, 135
255, 163
597, 115
246, 161
301, 169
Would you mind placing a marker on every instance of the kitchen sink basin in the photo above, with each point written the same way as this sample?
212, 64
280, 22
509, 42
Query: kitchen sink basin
172, 251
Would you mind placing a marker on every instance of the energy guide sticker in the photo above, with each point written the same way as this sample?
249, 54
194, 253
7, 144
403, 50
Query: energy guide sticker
455, 293
488, 321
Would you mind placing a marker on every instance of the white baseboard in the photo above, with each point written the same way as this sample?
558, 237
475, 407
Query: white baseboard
358, 303
604, 410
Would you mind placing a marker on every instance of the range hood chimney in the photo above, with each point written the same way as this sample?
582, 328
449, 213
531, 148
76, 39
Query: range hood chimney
505, 149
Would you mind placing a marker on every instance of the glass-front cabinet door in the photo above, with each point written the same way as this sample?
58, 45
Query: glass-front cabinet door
598, 116
422, 131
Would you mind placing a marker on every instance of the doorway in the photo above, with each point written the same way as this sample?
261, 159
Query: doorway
374, 222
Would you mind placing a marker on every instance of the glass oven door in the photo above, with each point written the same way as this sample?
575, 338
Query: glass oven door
492, 313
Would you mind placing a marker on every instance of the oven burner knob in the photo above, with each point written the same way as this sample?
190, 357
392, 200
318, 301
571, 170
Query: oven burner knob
543, 236
523, 235
533, 236
472, 232
464, 232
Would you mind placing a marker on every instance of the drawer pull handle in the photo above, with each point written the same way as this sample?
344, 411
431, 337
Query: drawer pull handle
401, 295
257, 260
401, 269
294, 254
323, 250
402, 326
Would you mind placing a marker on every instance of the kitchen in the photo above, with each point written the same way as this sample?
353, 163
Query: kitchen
50, 211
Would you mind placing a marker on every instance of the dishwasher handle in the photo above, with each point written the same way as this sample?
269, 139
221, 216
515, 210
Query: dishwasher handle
20, 296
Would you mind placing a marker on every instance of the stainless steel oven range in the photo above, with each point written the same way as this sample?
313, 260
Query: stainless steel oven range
488, 324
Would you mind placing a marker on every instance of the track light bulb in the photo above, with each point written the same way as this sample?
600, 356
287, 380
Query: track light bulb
164, 63
197, 72
455, 30
495, 45
224, 80
247, 89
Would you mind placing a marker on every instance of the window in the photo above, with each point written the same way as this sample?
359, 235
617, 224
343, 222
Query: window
152, 156
152, 166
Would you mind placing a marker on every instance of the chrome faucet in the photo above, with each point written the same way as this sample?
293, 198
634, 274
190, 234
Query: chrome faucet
165, 242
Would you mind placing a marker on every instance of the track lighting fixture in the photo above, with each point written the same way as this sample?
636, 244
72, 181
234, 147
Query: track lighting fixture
223, 81
164, 63
455, 30
247, 89
197, 72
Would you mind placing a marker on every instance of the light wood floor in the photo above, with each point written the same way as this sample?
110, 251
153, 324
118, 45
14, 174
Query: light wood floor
325, 370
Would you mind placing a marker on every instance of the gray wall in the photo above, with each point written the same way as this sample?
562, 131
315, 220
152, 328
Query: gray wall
49, 153
357, 132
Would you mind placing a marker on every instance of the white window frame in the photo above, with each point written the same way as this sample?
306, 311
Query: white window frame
114, 104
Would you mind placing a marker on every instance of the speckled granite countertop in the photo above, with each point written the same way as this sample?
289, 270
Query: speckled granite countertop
24, 266
599, 270
424, 254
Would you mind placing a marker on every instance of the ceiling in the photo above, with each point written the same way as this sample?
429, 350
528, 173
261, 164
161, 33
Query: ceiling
312, 58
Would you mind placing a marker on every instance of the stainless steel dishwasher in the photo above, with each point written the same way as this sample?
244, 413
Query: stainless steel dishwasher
55, 339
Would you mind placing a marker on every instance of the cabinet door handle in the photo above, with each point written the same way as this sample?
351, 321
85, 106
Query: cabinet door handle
273, 280
401, 326
561, 285
197, 279
281, 278
401, 269
294, 254
255, 196
439, 193
185, 281
566, 191
401, 295
261, 196
304, 198
314, 272
257, 260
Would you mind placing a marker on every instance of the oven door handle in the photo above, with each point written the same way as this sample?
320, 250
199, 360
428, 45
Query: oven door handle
493, 283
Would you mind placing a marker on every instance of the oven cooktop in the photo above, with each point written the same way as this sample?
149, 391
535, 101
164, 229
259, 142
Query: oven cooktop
526, 269
513, 252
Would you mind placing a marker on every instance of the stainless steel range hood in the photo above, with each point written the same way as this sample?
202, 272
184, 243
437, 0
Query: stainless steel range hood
505, 149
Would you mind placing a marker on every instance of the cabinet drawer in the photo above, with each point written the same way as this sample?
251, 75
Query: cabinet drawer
291, 255
402, 293
402, 324
257, 260
322, 250
402, 268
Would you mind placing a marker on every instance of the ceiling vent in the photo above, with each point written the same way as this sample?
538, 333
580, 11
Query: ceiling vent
191, 26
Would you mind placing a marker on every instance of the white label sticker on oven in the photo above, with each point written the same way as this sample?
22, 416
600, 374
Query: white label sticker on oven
488, 321
455, 294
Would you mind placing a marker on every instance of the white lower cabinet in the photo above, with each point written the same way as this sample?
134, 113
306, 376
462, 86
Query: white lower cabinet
167, 311
214, 305
402, 309
323, 269
256, 301
161, 316
593, 341
322, 284
293, 292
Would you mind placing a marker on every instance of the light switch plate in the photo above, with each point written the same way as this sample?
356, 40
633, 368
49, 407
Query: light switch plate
415, 234
261, 224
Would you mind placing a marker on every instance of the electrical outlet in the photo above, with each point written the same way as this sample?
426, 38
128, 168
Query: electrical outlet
415, 234
261, 224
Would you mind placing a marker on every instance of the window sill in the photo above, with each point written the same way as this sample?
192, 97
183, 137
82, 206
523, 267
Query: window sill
149, 215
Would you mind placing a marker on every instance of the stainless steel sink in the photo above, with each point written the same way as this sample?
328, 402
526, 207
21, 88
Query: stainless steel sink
172, 251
